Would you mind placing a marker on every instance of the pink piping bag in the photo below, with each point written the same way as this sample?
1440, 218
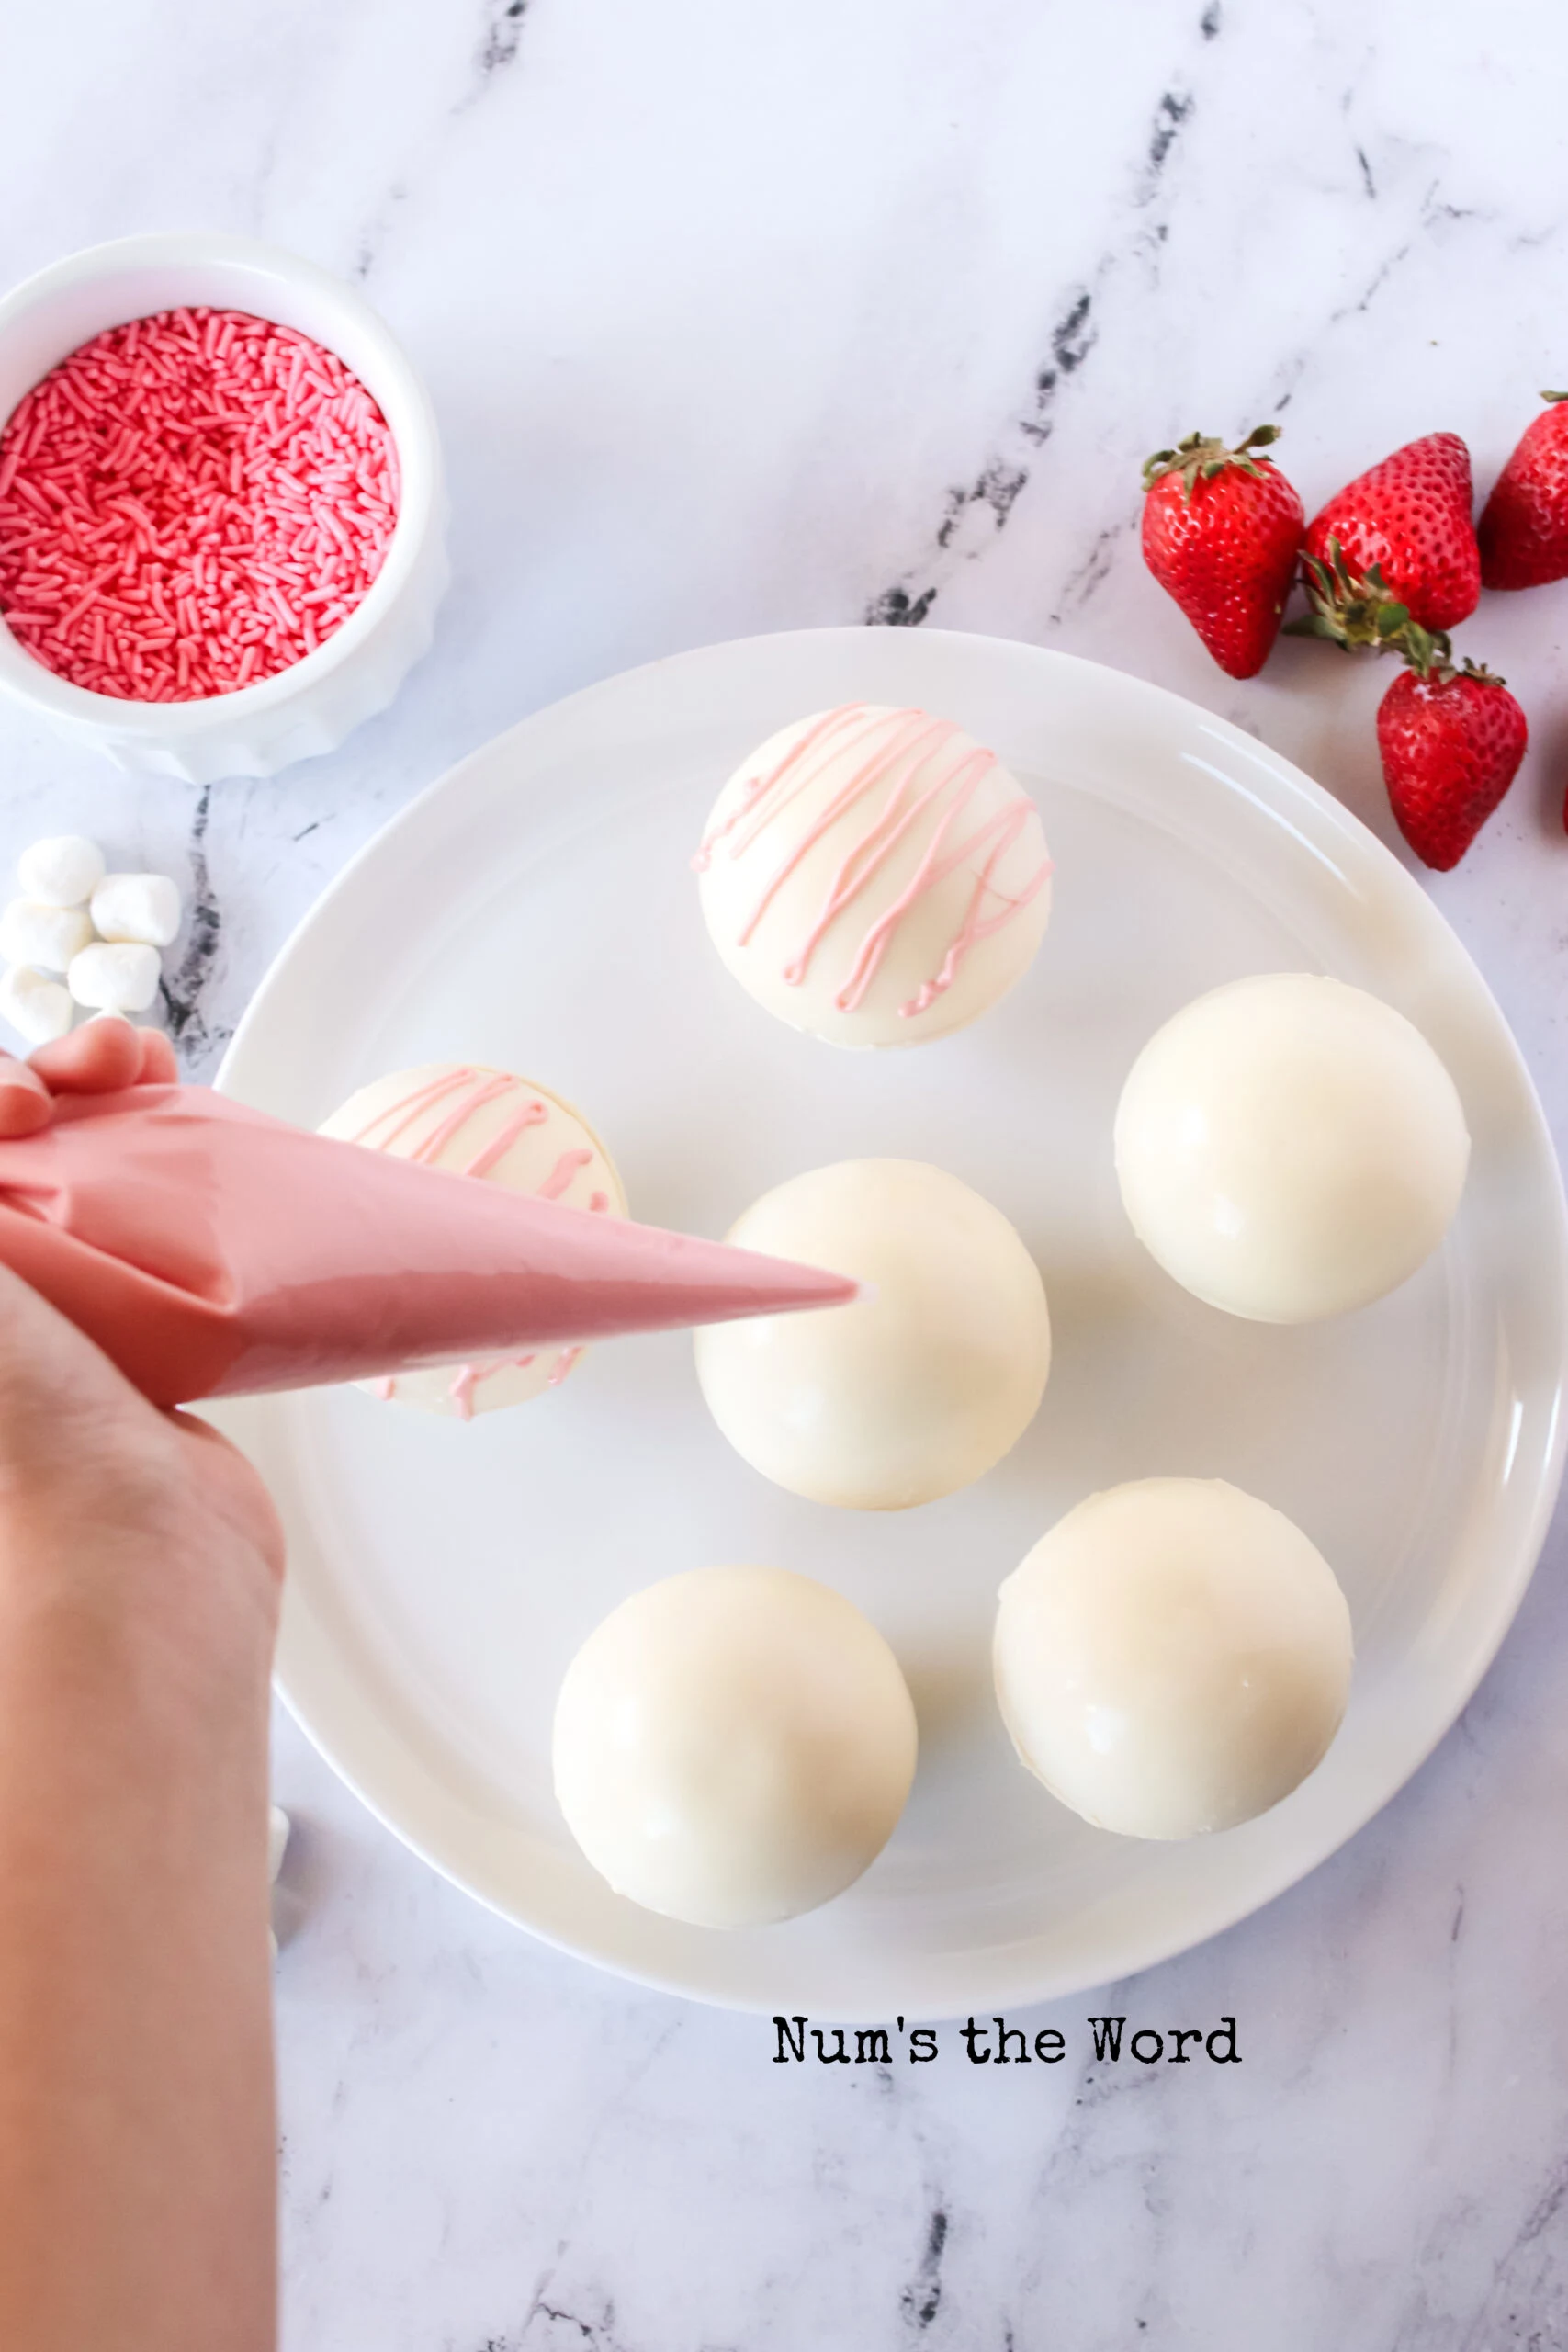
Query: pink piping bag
213, 1252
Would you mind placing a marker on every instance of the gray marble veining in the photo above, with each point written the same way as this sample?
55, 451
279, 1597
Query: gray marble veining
743, 319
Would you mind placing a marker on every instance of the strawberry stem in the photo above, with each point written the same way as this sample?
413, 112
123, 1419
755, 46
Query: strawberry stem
1428, 653
1200, 456
1358, 613
1351, 610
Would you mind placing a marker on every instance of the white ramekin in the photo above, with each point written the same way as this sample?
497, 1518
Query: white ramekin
311, 706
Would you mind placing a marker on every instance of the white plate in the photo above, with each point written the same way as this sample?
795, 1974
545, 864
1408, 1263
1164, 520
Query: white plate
535, 908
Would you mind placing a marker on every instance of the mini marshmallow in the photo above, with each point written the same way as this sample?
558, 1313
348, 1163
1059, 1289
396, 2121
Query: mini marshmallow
46, 936
115, 976
142, 907
149, 1017
62, 872
39, 1009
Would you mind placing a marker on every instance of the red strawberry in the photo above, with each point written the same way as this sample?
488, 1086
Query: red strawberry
1222, 529
1524, 526
1409, 518
1451, 743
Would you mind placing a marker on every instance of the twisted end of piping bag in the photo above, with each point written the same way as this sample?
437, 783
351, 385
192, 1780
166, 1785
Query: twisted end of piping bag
211, 1251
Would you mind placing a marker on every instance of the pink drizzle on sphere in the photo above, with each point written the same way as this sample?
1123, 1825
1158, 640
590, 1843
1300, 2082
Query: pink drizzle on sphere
189, 503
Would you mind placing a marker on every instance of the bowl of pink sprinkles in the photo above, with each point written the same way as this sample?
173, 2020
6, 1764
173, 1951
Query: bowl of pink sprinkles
221, 519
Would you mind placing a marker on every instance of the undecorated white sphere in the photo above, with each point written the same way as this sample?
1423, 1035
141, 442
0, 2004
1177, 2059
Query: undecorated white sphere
1289, 1148
874, 877
733, 1746
904, 1396
1174, 1656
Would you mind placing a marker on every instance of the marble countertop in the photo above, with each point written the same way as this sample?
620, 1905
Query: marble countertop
867, 310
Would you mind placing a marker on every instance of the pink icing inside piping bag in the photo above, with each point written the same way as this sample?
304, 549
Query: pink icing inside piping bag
213, 1252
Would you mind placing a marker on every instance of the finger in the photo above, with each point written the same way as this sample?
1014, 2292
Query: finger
159, 1066
95, 1059
25, 1106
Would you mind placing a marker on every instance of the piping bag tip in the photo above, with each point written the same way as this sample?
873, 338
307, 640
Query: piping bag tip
211, 1251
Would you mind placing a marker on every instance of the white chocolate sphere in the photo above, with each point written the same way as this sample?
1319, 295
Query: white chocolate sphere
1289, 1148
505, 1130
733, 1746
1174, 1656
874, 877
902, 1396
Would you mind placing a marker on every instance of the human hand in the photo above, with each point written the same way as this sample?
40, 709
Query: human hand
140, 1567
98, 1059
157, 1504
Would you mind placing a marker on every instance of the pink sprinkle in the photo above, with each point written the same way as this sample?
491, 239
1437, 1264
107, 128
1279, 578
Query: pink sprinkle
180, 457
